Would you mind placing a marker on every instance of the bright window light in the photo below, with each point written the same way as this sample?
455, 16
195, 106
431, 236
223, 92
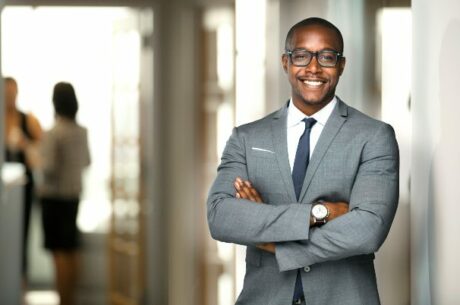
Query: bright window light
395, 27
44, 45
250, 60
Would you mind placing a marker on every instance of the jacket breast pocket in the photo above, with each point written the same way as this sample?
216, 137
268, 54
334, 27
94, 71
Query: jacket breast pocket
265, 174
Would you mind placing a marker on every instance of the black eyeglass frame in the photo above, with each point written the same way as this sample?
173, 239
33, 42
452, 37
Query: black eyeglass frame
314, 54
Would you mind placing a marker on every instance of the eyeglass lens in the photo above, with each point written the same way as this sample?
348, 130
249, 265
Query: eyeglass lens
325, 58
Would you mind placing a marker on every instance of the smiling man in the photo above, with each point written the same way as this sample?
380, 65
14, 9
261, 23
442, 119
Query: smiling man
311, 189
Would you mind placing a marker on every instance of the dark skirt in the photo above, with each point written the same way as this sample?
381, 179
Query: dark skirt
59, 219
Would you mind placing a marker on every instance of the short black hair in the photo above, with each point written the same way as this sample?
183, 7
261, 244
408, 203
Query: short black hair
65, 101
309, 22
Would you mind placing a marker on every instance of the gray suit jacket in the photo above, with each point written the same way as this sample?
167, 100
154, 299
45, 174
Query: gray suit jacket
356, 160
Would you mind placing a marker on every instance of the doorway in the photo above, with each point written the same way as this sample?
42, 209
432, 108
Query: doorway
103, 52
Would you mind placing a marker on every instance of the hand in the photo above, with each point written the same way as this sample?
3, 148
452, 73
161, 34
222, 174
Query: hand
245, 190
269, 247
336, 209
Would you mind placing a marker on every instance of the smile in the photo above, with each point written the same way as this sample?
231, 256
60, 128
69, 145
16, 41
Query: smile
313, 83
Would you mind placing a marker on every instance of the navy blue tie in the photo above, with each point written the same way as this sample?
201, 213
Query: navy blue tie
302, 157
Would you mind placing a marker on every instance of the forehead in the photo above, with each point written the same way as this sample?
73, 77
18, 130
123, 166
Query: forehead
315, 37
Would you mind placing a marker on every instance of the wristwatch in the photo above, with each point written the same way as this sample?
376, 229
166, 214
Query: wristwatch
319, 213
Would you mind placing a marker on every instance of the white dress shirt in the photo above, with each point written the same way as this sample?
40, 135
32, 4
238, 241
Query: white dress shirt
295, 127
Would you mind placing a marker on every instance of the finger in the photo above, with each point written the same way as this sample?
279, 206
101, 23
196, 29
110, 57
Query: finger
247, 192
240, 191
254, 193
241, 184
239, 187
242, 195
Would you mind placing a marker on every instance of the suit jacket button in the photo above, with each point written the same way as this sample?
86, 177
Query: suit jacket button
306, 269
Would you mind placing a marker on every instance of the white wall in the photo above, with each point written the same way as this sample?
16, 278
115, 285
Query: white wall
436, 153
393, 259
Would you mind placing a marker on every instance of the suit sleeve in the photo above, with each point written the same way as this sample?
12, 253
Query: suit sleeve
373, 204
244, 222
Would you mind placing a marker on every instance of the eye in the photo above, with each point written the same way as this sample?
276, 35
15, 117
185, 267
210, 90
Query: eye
300, 56
327, 56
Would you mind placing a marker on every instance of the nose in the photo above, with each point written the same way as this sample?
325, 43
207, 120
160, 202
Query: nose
313, 66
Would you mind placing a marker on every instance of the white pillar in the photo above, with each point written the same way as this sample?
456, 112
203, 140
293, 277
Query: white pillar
250, 60
176, 211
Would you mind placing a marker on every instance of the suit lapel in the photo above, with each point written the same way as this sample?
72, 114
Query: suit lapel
279, 136
332, 127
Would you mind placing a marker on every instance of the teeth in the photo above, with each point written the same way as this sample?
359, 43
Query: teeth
313, 82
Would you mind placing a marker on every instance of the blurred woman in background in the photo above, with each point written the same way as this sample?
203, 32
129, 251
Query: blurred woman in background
65, 154
22, 136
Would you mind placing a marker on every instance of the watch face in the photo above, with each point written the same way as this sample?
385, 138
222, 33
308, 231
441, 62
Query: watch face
319, 211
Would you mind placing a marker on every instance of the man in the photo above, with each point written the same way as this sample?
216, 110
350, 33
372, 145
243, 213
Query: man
311, 189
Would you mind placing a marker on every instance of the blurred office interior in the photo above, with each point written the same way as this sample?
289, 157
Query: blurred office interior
161, 85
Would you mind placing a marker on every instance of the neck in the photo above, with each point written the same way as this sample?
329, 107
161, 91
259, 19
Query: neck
63, 119
310, 109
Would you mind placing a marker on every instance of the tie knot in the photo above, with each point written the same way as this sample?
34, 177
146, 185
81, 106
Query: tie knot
309, 122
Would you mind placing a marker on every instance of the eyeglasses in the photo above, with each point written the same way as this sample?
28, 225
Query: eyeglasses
325, 58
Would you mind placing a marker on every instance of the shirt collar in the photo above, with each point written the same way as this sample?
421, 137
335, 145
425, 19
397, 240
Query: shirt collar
295, 116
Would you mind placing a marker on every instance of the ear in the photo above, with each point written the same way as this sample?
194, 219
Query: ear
285, 62
342, 65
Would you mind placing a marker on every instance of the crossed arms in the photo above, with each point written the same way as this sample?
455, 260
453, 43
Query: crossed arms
245, 190
285, 228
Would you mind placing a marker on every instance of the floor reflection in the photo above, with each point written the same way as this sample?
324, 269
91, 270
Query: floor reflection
42, 297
